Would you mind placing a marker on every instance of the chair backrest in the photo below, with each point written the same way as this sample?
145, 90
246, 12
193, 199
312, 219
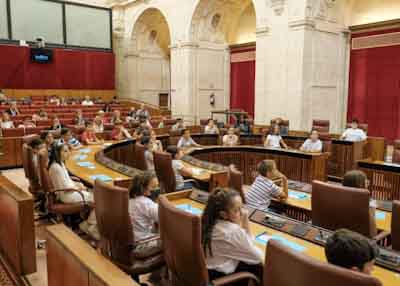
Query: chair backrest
326, 142
44, 173
203, 122
26, 162
335, 206
305, 271
395, 229
13, 132
321, 125
115, 227
236, 182
165, 172
181, 241
396, 152
140, 160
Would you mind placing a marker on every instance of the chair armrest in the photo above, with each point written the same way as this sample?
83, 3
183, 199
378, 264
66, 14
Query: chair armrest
151, 238
228, 279
195, 183
72, 190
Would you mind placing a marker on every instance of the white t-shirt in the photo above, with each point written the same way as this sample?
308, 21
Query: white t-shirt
183, 142
230, 245
7, 124
211, 130
230, 140
310, 146
273, 141
144, 214
148, 156
61, 180
354, 135
87, 102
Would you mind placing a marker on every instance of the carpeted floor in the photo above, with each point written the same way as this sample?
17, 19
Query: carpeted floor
5, 279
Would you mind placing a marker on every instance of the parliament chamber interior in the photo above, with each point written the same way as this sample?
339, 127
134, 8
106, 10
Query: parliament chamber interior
199, 142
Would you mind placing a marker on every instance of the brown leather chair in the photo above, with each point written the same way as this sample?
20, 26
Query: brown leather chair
54, 206
204, 122
164, 171
236, 182
396, 152
321, 125
395, 228
116, 231
334, 207
286, 267
326, 142
140, 161
181, 236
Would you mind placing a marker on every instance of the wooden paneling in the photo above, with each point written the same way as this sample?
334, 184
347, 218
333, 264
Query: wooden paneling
72, 262
20, 93
17, 234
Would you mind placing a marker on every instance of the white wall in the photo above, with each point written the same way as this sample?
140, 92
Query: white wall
370, 11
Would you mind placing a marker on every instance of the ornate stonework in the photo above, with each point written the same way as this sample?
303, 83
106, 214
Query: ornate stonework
278, 6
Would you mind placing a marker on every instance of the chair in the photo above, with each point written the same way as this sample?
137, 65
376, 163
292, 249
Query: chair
326, 142
334, 207
396, 152
236, 182
181, 236
140, 160
395, 228
164, 171
116, 231
203, 122
53, 205
320, 125
285, 267
27, 163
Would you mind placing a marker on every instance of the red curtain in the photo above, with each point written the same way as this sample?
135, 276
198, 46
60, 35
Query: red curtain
243, 85
374, 90
70, 69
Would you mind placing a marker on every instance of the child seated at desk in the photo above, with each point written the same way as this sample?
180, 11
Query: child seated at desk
69, 140
354, 133
230, 139
179, 169
155, 144
274, 140
264, 189
119, 132
88, 136
144, 212
186, 140
351, 250
211, 128
313, 144
227, 242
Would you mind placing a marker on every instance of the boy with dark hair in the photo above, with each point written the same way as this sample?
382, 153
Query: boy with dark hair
351, 250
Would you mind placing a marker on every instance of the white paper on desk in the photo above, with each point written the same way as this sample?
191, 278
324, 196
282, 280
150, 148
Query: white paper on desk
107, 144
196, 171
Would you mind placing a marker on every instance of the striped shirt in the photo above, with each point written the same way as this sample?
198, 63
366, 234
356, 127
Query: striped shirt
260, 193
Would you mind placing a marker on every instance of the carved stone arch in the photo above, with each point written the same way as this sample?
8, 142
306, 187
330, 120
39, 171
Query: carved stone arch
150, 32
204, 10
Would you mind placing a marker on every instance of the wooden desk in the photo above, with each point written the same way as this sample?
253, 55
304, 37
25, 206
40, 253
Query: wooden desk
17, 232
84, 173
296, 165
384, 179
387, 277
72, 262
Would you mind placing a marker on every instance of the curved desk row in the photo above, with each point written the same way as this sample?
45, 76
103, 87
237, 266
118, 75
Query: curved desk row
121, 174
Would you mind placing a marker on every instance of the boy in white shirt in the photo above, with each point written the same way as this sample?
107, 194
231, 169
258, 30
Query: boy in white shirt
211, 128
313, 144
186, 140
354, 133
230, 139
87, 101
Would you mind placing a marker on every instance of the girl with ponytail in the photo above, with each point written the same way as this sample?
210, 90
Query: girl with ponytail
227, 242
